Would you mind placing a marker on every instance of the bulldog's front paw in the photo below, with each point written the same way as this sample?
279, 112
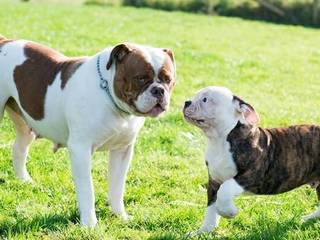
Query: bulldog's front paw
227, 210
89, 220
24, 177
125, 217
122, 215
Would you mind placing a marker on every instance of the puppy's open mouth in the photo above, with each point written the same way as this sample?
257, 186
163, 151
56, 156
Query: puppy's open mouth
156, 110
194, 120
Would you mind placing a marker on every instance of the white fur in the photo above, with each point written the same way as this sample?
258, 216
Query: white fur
226, 193
220, 162
146, 100
314, 215
213, 110
118, 168
211, 219
83, 118
20, 147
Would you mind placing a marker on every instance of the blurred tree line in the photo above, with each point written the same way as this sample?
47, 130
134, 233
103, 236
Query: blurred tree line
305, 12
302, 12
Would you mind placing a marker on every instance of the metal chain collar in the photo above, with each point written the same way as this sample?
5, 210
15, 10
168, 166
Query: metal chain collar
104, 84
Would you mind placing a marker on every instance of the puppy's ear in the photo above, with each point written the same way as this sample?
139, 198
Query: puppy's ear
118, 53
249, 113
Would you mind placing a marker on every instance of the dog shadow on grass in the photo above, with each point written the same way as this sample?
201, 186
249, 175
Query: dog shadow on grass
52, 222
263, 229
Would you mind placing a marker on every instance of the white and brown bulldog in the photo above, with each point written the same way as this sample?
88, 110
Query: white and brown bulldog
85, 104
241, 157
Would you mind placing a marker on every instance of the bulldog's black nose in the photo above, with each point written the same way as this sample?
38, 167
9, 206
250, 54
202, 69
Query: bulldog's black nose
187, 104
157, 92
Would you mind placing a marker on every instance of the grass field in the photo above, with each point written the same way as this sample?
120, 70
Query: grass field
276, 68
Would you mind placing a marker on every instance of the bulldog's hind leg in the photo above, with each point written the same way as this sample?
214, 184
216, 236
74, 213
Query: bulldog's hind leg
24, 136
316, 213
3, 101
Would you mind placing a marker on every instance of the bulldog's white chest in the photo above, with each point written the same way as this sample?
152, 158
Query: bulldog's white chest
121, 134
220, 162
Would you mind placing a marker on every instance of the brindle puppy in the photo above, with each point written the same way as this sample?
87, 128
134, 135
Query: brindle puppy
243, 157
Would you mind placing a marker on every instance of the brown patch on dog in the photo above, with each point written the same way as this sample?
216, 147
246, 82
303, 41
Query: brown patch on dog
318, 192
69, 67
271, 161
212, 190
33, 76
133, 75
167, 72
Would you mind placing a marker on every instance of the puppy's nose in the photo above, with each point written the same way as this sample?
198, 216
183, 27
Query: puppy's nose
157, 92
187, 104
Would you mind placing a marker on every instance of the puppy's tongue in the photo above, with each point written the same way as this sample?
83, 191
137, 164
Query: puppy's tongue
156, 111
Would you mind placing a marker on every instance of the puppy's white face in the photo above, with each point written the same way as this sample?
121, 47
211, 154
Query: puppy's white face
217, 108
144, 78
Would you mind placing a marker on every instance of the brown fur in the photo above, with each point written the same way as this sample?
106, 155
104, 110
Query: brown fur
166, 73
134, 74
69, 68
212, 190
33, 77
271, 161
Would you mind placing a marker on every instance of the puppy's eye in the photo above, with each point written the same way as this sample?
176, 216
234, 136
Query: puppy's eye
204, 99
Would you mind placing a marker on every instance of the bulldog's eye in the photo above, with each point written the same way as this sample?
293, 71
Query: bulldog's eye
167, 79
141, 79
204, 99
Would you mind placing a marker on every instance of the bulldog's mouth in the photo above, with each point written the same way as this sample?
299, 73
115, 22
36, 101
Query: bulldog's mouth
156, 110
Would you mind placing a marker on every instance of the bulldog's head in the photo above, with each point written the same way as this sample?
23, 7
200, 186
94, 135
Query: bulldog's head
216, 108
143, 78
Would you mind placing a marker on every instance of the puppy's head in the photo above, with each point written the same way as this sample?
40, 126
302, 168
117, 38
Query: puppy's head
218, 109
143, 78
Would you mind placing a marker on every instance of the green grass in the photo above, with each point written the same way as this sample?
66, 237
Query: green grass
276, 68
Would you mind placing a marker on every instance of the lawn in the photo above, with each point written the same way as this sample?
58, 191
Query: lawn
274, 67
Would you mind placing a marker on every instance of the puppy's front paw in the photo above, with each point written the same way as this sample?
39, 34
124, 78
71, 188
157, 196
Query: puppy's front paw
205, 228
227, 210
311, 216
202, 230
306, 218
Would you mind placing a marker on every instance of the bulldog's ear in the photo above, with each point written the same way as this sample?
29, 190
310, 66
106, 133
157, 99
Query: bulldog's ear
249, 113
170, 53
118, 53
